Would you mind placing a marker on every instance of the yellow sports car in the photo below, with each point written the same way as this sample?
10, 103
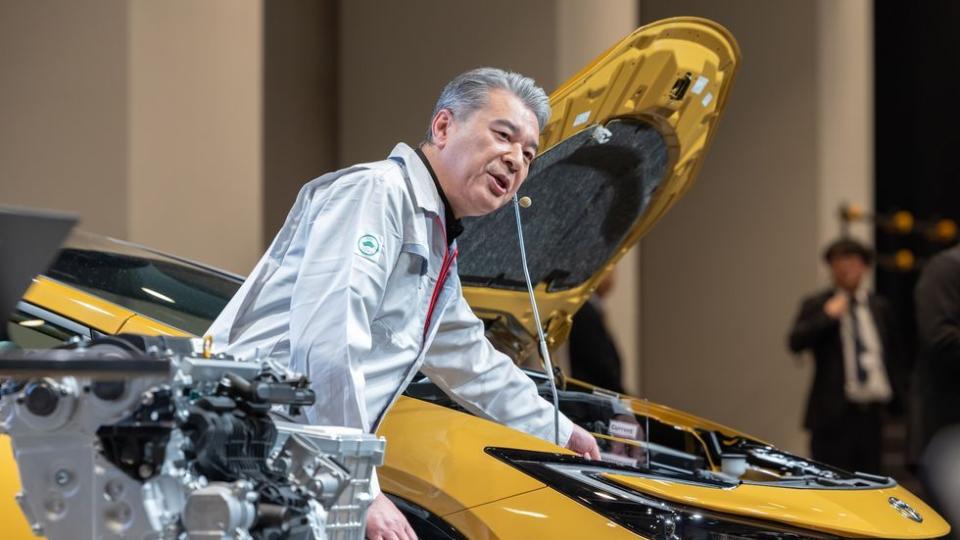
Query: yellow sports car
626, 139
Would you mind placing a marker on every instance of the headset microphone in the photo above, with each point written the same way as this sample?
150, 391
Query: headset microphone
544, 353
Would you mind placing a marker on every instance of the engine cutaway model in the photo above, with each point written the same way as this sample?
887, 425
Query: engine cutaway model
140, 437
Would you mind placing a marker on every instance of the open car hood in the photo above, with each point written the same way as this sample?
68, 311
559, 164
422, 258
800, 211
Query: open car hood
626, 139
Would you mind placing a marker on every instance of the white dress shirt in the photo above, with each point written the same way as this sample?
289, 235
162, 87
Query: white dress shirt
876, 388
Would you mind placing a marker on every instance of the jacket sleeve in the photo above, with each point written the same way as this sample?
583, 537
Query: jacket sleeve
349, 247
486, 382
937, 298
811, 326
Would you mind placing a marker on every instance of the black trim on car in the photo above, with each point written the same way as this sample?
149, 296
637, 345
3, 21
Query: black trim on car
639, 512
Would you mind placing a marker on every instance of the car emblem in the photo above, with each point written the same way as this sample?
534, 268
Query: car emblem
905, 509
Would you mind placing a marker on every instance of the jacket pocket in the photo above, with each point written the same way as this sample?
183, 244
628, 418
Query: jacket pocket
407, 295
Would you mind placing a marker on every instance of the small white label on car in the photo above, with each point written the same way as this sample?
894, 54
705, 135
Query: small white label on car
699, 85
624, 430
617, 458
581, 118
707, 99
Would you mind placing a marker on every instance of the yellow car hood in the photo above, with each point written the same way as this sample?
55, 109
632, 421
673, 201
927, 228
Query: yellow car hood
626, 139
447, 468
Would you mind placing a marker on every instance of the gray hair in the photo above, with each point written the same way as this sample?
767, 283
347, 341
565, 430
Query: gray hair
468, 92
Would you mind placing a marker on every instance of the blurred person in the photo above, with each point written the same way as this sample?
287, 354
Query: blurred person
593, 352
937, 388
940, 475
856, 347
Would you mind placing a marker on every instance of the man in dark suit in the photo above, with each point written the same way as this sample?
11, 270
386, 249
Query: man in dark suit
937, 388
854, 340
937, 298
593, 353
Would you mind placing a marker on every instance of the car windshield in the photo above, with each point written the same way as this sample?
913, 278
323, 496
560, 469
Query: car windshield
174, 291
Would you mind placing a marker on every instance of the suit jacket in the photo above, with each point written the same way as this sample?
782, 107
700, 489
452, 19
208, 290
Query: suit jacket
819, 333
593, 354
937, 299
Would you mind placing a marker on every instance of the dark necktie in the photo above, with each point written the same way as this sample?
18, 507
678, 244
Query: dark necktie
858, 347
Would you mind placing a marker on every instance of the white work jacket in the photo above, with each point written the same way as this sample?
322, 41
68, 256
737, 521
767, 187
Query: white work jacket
343, 293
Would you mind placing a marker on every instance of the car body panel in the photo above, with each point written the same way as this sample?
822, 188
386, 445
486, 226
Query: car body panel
543, 513
140, 324
15, 525
632, 80
77, 305
850, 512
92, 311
435, 479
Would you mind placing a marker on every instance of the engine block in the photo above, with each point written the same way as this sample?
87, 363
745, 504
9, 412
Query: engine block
152, 438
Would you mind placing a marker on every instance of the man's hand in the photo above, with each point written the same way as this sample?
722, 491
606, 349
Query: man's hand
386, 522
583, 443
836, 306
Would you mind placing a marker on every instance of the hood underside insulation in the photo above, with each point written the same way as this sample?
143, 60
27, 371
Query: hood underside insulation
587, 196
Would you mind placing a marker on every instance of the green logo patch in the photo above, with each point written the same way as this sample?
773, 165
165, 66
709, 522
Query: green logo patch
368, 245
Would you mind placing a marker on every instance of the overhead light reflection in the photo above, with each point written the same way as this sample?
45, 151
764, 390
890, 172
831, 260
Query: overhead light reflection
525, 513
155, 294
32, 323
91, 307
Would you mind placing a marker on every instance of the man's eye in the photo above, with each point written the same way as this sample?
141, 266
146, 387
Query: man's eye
528, 156
503, 135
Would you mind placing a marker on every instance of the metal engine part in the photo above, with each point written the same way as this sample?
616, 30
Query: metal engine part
323, 478
146, 438
217, 511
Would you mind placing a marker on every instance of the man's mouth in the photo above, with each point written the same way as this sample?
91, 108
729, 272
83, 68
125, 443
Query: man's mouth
499, 184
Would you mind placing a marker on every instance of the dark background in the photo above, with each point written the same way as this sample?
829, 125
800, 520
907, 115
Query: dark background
917, 70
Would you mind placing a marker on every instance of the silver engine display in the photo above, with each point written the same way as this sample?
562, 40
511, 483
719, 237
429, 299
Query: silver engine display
148, 438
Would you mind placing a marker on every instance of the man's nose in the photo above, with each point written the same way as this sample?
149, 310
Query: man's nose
514, 158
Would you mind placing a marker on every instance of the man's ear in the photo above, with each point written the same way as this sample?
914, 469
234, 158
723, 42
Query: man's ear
440, 127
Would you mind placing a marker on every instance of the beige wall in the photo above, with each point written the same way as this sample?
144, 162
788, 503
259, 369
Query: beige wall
63, 109
723, 274
195, 129
844, 55
396, 56
142, 117
300, 101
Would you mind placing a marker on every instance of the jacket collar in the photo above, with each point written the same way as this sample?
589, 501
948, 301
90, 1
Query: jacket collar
425, 194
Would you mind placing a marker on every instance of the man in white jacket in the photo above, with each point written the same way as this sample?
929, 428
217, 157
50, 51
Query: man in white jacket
359, 290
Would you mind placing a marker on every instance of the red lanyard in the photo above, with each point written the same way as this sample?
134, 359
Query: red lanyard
448, 258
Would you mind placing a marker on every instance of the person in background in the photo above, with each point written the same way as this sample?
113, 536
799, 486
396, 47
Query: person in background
856, 347
593, 353
937, 394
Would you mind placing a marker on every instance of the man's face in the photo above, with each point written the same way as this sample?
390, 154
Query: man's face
847, 271
482, 159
